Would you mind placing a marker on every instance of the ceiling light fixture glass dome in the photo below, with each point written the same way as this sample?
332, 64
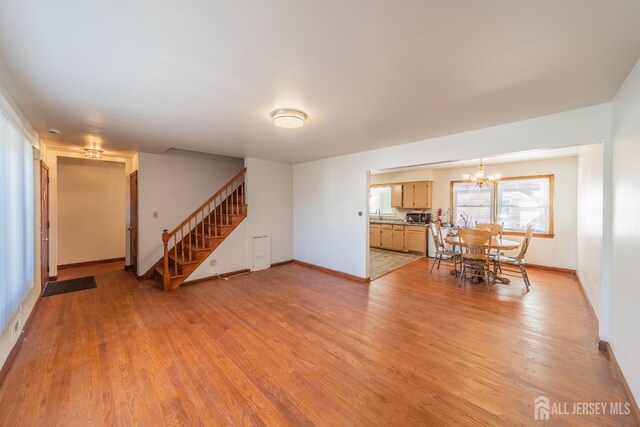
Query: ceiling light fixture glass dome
288, 119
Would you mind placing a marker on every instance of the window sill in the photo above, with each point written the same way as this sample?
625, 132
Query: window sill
520, 233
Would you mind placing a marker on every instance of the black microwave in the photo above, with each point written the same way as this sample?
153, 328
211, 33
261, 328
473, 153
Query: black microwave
423, 218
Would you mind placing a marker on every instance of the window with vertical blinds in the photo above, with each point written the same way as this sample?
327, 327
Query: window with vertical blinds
16, 219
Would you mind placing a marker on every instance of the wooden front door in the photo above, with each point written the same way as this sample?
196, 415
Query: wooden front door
44, 225
133, 229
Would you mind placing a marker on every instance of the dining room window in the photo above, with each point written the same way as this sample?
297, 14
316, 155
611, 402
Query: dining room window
514, 202
471, 204
525, 201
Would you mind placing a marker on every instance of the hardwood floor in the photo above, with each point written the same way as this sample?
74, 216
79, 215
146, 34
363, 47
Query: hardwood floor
295, 346
89, 270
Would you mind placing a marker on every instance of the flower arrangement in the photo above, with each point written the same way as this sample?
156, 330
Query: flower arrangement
465, 220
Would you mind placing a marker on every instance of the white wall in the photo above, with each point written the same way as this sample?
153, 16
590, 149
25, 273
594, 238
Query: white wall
624, 334
174, 184
91, 210
329, 193
269, 196
559, 251
589, 222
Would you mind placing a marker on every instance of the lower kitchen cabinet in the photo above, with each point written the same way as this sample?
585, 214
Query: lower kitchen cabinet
416, 239
397, 242
398, 237
374, 236
386, 237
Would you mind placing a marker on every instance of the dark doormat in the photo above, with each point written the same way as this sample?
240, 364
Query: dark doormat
71, 285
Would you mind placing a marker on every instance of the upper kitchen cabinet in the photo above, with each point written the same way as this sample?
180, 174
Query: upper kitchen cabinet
416, 195
396, 195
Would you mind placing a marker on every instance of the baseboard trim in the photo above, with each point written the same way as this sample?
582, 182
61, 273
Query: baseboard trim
278, 264
333, 272
549, 268
216, 277
593, 312
87, 263
13, 354
606, 347
53, 278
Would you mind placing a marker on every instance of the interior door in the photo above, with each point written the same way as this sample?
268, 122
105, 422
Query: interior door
133, 228
44, 224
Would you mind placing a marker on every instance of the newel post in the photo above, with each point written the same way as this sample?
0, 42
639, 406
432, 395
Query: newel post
166, 278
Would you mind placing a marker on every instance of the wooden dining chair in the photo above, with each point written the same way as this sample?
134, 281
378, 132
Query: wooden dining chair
495, 229
441, 251
516, 262
476, 258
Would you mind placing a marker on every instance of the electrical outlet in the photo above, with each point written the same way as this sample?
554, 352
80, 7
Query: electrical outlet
213, 262
16, 327
155, 214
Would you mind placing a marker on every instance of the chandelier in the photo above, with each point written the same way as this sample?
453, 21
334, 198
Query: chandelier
479, 179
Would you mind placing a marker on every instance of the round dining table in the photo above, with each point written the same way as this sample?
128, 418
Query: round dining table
496, 243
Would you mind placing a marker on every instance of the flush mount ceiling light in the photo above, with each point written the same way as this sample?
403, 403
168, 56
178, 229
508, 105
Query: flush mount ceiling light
288, 119
54, 131
91, 153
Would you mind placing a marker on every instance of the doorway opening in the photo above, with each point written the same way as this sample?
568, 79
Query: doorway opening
91, 215
558, 192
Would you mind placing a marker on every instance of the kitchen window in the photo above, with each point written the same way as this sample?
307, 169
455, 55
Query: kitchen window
380, 198
514, 202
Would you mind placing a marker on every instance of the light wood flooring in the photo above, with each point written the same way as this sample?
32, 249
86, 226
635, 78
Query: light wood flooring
295, 346
382, 261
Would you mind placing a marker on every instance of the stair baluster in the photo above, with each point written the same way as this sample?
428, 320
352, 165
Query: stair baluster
203, 232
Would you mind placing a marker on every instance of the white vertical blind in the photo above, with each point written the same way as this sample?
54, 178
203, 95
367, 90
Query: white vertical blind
474, 202
16, 219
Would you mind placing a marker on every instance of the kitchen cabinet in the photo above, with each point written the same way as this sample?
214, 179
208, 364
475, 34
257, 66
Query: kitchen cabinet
407, 195
422, 195
397, 242
416, 239
396, 195
374, 236
417, 195
386, 237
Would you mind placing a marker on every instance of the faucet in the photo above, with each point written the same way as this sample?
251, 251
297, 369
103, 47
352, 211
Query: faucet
379, 214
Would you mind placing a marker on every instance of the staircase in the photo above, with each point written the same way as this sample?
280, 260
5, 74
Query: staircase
191, 242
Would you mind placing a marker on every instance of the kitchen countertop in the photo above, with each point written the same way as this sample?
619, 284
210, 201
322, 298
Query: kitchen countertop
396, 222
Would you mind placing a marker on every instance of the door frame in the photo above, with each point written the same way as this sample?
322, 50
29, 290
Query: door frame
45, 225
133, 223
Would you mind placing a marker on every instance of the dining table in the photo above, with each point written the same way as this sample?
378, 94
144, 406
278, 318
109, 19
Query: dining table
497, 243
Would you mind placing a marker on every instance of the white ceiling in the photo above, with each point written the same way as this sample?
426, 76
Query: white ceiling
522, 156
204, 75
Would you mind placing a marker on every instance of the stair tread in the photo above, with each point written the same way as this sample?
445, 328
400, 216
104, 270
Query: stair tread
182, 260
197, 249
206, 235
161, 272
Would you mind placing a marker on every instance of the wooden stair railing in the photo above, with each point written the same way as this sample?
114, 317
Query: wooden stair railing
191, 242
